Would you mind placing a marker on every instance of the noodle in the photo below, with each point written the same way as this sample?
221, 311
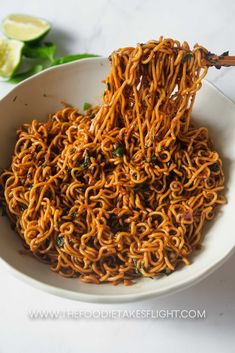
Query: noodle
123, 191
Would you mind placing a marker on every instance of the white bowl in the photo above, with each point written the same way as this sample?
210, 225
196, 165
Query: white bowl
75, 84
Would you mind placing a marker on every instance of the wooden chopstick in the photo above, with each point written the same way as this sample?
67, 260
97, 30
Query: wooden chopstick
226, 60
218, 60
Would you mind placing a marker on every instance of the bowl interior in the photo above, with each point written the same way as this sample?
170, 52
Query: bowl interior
75, 84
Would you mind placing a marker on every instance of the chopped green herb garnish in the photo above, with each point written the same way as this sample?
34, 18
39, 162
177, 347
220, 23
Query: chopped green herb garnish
137, 271
154, 160
118, 152
23, 207
60, 241
215, 167
226, 53
166, 272
108, 86
74, 215
212, 59
58, 223
141, 187
143, 267
86, 106
187, 56
76, 173
87, 160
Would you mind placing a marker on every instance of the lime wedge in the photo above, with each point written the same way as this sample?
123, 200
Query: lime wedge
10, 56
25, 28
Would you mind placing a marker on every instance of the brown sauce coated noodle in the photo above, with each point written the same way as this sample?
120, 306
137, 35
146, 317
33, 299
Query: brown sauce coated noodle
123, 191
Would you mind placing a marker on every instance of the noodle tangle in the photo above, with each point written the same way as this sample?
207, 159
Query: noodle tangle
123, 191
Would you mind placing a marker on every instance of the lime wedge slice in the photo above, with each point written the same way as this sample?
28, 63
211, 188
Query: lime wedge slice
25, 28
10, 56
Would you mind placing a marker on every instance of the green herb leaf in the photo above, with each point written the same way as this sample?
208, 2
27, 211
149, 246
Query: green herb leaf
141, 187
187, 56
86, 106
40, 51
70, 58
215, 167
166, 272
20, 77
23, 206
91, 116
137, 271
76, 173
60, 241
226, 53
154, 160
118, 152
87, 160
74, 215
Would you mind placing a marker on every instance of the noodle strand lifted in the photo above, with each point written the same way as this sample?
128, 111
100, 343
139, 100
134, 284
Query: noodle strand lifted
123, 191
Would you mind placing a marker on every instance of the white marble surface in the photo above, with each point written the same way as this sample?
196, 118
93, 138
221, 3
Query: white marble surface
99, 27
